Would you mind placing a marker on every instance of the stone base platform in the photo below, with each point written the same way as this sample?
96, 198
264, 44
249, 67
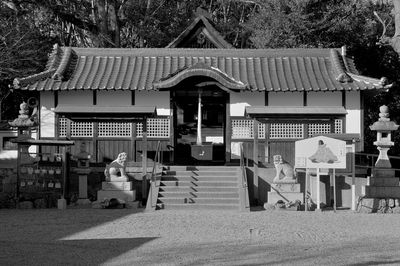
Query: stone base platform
286, 192
273, 197
126, 195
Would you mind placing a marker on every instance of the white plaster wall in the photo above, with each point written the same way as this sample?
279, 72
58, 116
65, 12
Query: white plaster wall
285, 99
114, 98
47, 115
324, 98
239, 100
353, 108
160, 99
75, 98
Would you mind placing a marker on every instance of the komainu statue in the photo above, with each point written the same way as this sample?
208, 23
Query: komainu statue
116, 169
284, 171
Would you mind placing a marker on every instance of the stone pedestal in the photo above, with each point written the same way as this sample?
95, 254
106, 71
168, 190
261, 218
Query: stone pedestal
61, 204
83, 195
286, 192
118, 188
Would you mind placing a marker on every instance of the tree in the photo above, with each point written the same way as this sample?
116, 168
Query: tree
23, 52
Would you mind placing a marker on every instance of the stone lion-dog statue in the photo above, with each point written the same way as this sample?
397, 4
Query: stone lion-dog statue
116, 169
284, 171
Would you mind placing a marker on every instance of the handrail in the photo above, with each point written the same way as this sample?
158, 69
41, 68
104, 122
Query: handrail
243, 190
243, 169
156, 160
154, 185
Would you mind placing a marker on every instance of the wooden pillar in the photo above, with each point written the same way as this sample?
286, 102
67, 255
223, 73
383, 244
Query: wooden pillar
228, 131
95, 141
267, 130
255, 158
133, 141
199, 118
64, 170
334, 190
318, 191
144, 160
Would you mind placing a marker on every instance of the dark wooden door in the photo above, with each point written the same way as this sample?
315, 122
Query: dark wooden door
285, 148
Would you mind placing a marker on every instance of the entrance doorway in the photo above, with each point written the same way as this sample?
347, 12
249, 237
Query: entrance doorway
213, 121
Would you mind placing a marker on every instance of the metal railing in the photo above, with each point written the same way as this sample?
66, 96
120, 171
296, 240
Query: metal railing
367, 161
154, 181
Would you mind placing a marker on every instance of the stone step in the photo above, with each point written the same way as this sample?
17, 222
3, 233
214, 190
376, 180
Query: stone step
187, 189
199, 183
196, 206
384, 181
382, 192
195, 194
199, 178
116, 185
201, 173
273, 197
118, 194
198, 200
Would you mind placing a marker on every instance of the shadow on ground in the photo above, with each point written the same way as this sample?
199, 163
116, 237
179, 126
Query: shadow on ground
40, 237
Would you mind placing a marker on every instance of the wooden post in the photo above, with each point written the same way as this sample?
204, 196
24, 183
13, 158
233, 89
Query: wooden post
353, 176
144, 160
255, 158
228, 131
306, 191
133, 141
64, 166
199, 118
18, 175
318, 191
334, 190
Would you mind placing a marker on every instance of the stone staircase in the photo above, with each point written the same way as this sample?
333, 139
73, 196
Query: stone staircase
200, 187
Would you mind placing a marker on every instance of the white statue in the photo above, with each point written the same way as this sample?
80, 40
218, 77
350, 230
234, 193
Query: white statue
116, 169
284, 171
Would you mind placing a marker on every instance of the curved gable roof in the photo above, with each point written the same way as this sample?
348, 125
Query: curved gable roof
71, 68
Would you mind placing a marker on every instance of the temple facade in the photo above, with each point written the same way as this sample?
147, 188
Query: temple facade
198, 83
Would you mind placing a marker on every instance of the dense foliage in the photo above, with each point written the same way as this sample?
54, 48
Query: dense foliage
28, 29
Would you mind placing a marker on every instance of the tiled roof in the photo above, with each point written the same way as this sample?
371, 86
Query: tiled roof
256, 69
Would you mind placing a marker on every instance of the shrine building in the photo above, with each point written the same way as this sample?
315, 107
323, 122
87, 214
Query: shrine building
291, 93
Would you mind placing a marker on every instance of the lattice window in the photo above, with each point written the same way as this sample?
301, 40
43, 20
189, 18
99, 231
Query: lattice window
156, 128
286, 131
114, 129
78, 129
81, 129
243, 129
318, 129
62, 127
338, 126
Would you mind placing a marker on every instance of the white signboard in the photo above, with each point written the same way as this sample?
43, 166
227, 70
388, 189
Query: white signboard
320, 152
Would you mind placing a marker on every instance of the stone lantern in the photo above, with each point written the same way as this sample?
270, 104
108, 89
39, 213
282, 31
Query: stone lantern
382, 192
384, 128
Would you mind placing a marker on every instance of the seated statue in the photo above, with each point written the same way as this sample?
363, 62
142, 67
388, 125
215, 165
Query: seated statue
284, 171
116, 169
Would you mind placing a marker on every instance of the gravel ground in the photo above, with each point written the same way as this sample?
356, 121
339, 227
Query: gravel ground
126, 237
